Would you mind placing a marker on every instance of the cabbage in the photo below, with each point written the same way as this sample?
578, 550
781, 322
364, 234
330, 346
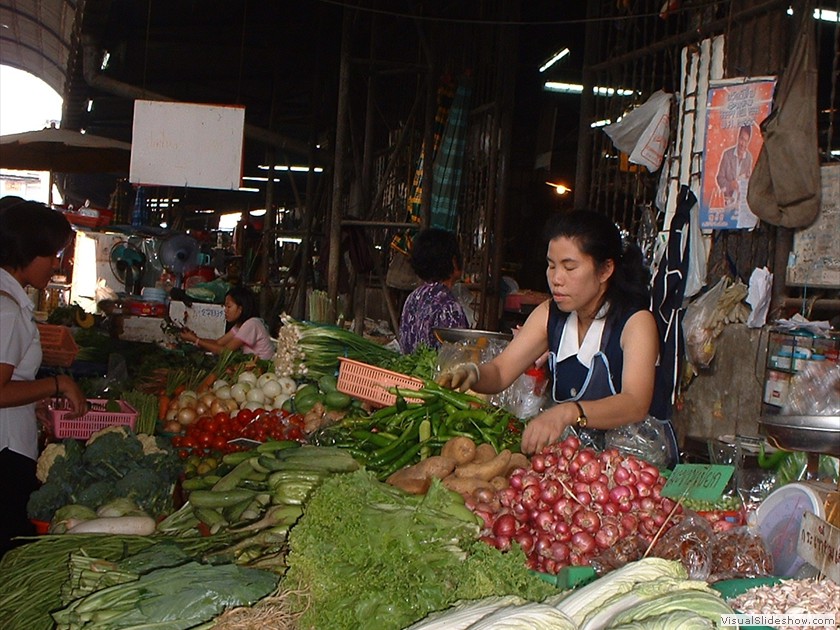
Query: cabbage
530, 616
682, 619
587, 599
698, 602
603, 616
465, 613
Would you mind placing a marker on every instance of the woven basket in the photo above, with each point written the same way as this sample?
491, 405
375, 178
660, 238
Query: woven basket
58, 346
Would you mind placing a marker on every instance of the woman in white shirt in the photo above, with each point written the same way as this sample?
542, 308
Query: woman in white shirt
247, 333
32, 237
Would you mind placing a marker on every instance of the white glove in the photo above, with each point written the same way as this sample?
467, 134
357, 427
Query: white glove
461, 377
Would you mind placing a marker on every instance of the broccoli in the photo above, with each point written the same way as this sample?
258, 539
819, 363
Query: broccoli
96, 494
113, 451
149, 489
114, 463
46, 500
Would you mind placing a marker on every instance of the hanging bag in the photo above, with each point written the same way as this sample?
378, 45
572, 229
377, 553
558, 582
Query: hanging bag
785, 185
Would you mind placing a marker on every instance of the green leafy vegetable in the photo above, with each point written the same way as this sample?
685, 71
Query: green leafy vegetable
179, 597
371, 556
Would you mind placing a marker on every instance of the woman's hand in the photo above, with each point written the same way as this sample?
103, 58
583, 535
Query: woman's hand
461, 376
189, 336
545, 429
71, 391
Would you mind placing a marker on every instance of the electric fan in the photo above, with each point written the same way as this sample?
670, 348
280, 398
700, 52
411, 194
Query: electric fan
127, 265
180, 254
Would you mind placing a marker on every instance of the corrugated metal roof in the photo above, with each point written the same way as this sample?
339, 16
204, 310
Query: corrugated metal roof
37, 36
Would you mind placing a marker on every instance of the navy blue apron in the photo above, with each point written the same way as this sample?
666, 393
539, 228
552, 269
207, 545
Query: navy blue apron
572, 381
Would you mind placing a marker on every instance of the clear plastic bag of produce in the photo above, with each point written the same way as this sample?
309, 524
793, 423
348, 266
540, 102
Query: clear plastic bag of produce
648, 439
754, 485
699, 326
814, 390
739, 553
628, 549
690, 542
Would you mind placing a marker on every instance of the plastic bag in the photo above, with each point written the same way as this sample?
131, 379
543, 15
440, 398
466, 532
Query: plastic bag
690, 542
647, 439
643, 132
698, 326
814, 390
739, 553
626, 550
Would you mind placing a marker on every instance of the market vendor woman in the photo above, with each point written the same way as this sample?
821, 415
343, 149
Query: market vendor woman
602, 339
247, 331
32, 237
436, 259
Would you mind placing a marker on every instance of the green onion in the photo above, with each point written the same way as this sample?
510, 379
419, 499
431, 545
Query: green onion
312, 350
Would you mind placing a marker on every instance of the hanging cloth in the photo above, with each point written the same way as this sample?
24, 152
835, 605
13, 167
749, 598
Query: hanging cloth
785, 185
449, 162
401, 242
667, 298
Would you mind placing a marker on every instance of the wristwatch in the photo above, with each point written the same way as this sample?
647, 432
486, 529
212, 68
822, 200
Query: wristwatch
581, 419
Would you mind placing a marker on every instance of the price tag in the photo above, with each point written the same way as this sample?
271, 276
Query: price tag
819, 545
703, 482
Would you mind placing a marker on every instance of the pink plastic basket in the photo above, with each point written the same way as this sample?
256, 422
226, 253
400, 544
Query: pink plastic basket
94, 420
371, 383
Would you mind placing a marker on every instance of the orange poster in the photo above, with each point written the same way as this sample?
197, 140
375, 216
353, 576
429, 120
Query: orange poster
734, 110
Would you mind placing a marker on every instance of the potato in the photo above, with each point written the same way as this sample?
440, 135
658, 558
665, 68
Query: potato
437, 466
461, 449
517, 460
465, 486
484, 453
487, 470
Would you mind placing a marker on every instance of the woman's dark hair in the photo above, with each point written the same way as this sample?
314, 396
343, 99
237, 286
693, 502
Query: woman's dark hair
599, 238
29, 229
244, 297
432, 253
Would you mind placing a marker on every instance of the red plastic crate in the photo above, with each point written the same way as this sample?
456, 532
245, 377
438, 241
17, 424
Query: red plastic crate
83, 427
371, 383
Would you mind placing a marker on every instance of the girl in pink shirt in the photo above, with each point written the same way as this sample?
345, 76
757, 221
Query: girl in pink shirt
247, 333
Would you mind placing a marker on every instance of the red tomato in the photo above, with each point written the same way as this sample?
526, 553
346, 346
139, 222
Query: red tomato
222, 418
245, 416
219, 443
189, 441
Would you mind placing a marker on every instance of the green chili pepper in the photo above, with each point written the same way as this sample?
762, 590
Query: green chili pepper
770, 462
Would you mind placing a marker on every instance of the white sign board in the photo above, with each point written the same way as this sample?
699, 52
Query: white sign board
819, 545
186, 144
815, 258
205, 320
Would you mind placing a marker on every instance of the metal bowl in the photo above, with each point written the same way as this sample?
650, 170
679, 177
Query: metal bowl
455, 335
813, 434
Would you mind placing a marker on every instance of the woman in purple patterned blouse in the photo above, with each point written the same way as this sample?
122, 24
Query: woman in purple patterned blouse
436, 259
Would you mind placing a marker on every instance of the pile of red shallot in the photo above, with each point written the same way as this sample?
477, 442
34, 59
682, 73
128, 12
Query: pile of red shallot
572, 503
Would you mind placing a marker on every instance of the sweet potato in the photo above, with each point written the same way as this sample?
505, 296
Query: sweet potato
460, 448
484, 453
517, 460
438, 466
405, 481
486, 471
465, 486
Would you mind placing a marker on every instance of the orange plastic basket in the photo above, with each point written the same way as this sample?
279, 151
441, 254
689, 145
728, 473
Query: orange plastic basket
58, 345
94, 420
371, 383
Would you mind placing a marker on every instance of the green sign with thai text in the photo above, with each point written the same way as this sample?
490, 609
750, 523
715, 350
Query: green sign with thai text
703, 482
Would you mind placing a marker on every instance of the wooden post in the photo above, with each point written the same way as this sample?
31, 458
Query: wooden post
334, 261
